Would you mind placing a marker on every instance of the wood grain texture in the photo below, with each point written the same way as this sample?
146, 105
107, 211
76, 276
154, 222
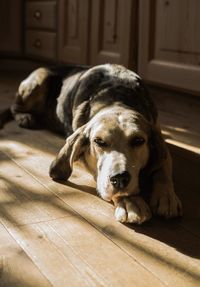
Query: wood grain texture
112, 23
73, 27
16, 268
169, 47
41, 44
152, 246
42, 14
31, 228
11, 26
24, 200
68, 235
177, 32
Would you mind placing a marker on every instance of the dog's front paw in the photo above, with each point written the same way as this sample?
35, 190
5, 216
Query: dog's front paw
166, 204
132, 210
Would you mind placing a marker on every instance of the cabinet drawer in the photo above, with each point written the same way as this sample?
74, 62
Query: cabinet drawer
42, 44
41, 14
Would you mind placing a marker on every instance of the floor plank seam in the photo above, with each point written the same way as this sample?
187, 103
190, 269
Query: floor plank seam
104, 283
52, 191
174, 259
130, 255
101, 232
21, 246
26, 254
38, 222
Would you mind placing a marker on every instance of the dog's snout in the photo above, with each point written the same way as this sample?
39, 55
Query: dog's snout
120, 180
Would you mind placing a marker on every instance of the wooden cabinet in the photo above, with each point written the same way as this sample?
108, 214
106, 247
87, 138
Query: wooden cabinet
42, 14
157, 38
11, 26
41, 44
112, 30
73, 31
41, 29
97, 31
169, 43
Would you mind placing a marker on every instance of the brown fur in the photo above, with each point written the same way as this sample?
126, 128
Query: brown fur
103, 111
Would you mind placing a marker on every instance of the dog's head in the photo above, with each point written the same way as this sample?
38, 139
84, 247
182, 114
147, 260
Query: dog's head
115, 146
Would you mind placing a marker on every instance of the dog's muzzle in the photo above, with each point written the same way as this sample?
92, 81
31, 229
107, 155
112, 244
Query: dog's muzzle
121, 180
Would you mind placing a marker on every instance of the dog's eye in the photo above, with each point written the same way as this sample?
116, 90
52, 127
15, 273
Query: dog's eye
137, 141
100, 142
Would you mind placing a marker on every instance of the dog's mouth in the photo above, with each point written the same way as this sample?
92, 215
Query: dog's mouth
108, 192
115, 177
108, 196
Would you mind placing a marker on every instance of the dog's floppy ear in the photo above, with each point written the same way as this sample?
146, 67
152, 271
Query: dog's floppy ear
61, 167
158, 149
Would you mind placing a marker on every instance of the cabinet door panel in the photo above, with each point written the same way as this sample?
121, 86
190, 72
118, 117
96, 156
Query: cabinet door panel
11, 26
73, 31
169, 48
42, 15
112, 30
41, 44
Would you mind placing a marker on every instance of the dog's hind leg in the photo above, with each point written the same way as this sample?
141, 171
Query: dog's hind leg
25, 120
30, 98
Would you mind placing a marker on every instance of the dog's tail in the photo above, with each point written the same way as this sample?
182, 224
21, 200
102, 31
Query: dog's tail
5, 117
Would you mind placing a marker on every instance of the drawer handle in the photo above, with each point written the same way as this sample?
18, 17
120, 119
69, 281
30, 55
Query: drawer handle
38, 14
37, 44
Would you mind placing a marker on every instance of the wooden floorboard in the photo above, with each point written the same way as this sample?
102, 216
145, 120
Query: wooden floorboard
63, 245
160, 247
55, 234
179, 117
16, 268
24, 200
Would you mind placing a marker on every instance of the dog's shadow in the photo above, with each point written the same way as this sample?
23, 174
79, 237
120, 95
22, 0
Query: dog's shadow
82, 187
173, 232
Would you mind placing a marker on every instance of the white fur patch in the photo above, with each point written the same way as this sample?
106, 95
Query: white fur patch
120, 214
112, 163
132, 210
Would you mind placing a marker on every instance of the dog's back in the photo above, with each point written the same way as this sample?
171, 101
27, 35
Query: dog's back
64, 98
103, 86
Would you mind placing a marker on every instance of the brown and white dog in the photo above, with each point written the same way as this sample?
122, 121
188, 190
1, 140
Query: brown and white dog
111, 126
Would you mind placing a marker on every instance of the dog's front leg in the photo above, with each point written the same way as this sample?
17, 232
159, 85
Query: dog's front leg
131, 209
164, 202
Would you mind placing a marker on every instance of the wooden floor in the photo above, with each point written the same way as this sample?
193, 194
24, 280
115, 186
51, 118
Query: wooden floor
62, 235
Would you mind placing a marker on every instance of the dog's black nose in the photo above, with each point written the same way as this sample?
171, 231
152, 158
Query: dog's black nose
120, 180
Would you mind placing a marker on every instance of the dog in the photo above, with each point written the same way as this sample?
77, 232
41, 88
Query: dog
111, 125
